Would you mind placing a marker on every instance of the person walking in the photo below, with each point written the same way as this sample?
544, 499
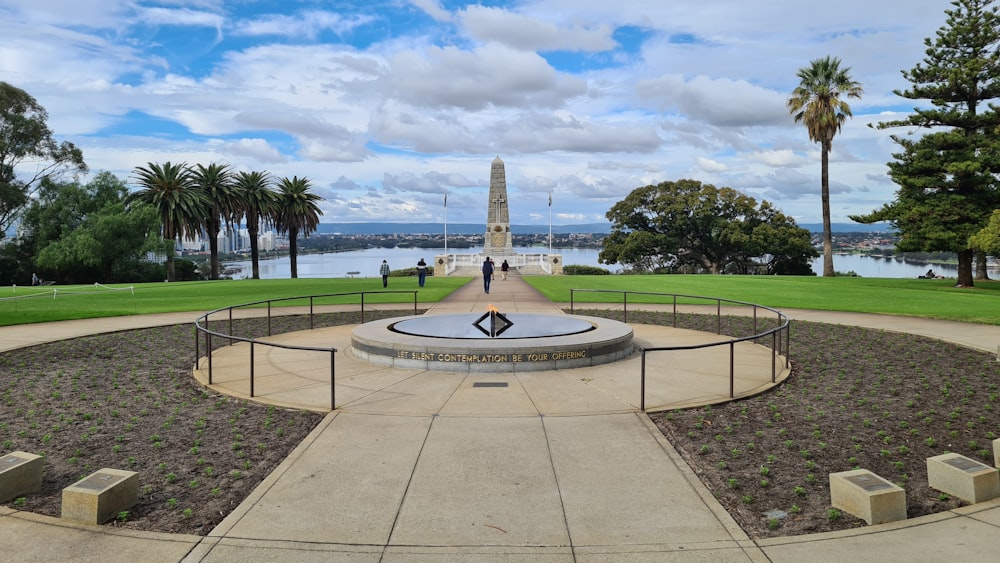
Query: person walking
503, 269
384, 270
487, 273
421, 272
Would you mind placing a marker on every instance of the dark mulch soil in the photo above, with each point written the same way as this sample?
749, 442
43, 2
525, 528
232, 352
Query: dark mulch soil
856, 398
128, 400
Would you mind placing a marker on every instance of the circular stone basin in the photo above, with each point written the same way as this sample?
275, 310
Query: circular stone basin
522, 325
531, 343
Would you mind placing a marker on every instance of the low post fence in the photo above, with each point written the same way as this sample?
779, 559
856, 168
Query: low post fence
780, 334
203, 327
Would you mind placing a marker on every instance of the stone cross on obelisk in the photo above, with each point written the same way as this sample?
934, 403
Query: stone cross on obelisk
498, 241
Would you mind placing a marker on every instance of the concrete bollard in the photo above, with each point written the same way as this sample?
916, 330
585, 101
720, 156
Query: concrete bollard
867, 496
962, 477
20, 473
100, 496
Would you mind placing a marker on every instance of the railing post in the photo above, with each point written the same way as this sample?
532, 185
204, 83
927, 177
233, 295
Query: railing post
774, 353
732, 372
310, 312
362, 307
333, 379
208, 352
571, 293
414, 302
625, 306
230, 324
197, 344
642, 384
718, 316
755, 322
675, 310
251, 367
269, 318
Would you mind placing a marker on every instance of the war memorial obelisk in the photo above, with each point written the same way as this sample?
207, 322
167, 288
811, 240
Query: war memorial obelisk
498, 241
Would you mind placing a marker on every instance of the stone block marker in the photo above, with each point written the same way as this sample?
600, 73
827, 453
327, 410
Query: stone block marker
996, 452
867, 496
20, 473
100, 496
962, 477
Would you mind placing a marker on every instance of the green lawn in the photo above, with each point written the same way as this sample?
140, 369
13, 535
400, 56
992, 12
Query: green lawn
897, 296
53, 303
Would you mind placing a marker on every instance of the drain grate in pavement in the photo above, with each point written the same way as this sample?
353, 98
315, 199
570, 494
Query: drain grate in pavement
490, 384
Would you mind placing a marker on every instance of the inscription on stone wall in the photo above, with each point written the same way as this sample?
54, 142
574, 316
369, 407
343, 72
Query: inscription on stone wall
493, 358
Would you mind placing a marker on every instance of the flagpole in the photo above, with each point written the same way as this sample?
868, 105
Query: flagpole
446, 231
550, 223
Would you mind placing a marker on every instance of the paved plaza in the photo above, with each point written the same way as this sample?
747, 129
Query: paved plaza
552, 466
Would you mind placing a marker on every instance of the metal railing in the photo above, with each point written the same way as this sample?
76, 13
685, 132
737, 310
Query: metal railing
780, 335
202, 329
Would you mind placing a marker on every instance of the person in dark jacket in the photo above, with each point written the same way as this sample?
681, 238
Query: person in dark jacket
487, 273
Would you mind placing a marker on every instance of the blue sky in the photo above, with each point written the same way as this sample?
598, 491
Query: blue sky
386, 105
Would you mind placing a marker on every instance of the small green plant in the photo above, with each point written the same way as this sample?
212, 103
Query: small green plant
833, 515
732, 483
187, 513
795, 509
20, 502
801, 491
172, 502
773, 523
122, 516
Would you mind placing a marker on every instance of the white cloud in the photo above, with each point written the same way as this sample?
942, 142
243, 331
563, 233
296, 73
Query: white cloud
526, 33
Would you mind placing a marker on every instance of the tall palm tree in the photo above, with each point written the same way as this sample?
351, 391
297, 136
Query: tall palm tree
257, 204
817, 103
215, 180
172, 191
297, 211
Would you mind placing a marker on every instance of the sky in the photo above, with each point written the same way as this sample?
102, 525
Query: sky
388, 105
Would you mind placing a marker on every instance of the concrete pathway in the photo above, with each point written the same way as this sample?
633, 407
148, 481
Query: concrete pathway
425, 466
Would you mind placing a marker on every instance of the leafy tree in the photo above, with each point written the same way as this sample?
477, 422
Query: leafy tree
25, 139
817, 103
297, 211
257, 204
76, 234
215, 181
948, 178
987, 241
171, 190
104, 248
687, 225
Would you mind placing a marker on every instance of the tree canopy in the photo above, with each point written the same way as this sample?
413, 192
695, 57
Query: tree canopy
948, 177
83, 234
29, 154
689, 226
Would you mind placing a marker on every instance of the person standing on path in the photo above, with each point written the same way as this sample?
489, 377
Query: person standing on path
384, 270
503, 270
487, 273
421, 272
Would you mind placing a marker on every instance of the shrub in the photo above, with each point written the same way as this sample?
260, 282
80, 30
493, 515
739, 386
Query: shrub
583, 270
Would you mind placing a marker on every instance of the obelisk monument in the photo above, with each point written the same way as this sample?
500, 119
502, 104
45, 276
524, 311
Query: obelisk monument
498, 241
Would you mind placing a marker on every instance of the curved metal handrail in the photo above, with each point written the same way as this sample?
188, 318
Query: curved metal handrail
776, 333
208, 333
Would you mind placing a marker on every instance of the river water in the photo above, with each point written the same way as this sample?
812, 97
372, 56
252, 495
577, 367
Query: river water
367, 262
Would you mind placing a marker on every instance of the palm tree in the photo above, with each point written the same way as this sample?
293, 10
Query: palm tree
215, 181
817, 103
257, 203
172, 191
297, 212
